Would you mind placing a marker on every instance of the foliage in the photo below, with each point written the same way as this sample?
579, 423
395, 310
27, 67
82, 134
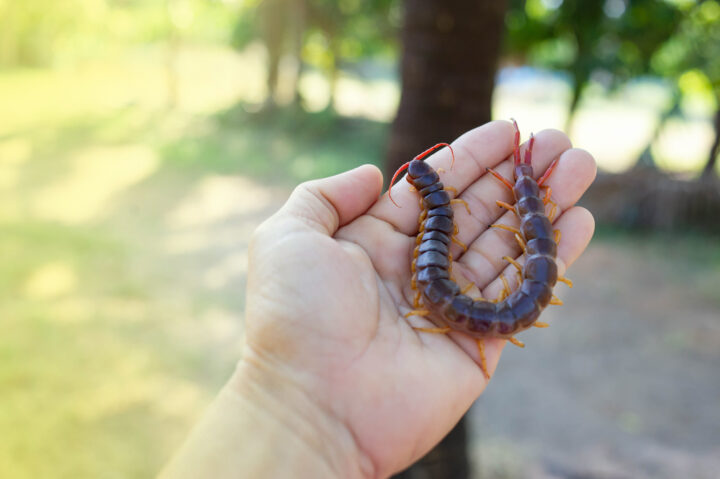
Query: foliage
695, 48
32, 31
614, 38
361, 29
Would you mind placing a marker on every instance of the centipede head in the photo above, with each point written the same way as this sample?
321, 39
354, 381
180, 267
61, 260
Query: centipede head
420, 157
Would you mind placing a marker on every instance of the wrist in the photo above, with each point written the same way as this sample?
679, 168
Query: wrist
262, 425
304, 438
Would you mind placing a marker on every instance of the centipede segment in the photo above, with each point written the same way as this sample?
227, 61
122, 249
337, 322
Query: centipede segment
439, 298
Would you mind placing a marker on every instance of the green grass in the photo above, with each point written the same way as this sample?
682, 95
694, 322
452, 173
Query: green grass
282, 147
110, 346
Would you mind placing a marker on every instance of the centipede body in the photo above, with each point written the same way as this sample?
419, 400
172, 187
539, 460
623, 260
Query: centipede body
441, 297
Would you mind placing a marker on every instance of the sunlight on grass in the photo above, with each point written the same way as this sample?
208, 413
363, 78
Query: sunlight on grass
97, 174
216, 198
14, 151
73, 309
232, 266
51, 280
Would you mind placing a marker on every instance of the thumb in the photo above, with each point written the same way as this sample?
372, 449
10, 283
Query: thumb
328, 203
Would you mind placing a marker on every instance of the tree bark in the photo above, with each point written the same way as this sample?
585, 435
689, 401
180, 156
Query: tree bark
579, 82
448, 459
449, 61
450, 55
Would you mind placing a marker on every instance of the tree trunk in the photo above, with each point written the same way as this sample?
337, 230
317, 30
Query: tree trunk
450, 56
171, 58
333, 69
579, 83
709, 170
447, 460
298, 11
274, 31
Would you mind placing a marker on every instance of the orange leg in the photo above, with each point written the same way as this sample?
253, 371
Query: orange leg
548, 192
433, 330
416, 301
454, 239
505, 291
507, 206
553, 210
458, 200
467, 288
540, 324
459, 243
506, 286
548, 200
517, 342
451, 189
520, 241
513, 262
507, 228
500, 177
557, 236
518, 267
566, 281
417, 312
555, 301
483, 362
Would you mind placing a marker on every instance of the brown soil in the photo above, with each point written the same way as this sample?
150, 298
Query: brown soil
624, 384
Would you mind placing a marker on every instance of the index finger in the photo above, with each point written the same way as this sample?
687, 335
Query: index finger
478, 149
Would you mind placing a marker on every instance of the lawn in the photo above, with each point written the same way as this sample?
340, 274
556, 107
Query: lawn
124, 232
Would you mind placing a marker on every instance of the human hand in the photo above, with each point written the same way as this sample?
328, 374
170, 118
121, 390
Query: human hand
329, 283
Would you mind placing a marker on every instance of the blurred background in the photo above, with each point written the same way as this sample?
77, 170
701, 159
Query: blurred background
141, 142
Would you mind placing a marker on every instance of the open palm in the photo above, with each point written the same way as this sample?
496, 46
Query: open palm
329, 283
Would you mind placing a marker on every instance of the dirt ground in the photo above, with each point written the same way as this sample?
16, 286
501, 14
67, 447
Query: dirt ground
624, 384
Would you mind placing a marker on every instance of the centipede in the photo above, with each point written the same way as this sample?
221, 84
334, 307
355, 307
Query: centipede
439, 298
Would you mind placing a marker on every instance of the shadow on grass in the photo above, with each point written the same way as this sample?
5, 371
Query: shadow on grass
279, 147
